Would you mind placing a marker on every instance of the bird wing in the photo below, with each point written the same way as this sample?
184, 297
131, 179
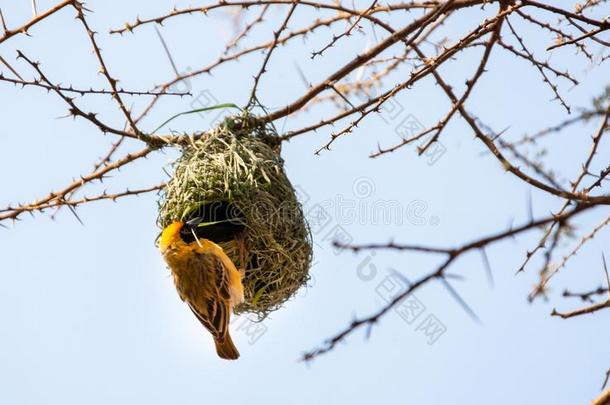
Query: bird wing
212, 303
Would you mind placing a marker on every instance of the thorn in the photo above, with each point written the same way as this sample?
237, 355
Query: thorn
73, 210
487, 265
3, 22
606, 271
461, 301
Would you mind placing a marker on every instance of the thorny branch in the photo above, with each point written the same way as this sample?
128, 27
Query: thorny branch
23, 29
451, 254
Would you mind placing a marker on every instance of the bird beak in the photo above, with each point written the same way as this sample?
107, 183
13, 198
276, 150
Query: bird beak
194, 222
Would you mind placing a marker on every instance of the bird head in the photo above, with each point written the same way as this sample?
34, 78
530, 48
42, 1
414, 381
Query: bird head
170, 235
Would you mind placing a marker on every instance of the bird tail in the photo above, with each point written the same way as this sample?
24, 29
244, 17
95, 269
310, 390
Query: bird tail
225, 348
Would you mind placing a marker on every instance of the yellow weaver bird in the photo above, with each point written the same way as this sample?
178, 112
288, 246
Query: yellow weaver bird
205, 277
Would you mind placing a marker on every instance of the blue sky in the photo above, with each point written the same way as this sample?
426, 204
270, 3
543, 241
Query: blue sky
90, 314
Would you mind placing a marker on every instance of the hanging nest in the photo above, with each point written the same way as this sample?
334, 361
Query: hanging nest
237, 164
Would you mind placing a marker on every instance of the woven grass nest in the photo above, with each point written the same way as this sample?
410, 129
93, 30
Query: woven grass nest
238, 163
